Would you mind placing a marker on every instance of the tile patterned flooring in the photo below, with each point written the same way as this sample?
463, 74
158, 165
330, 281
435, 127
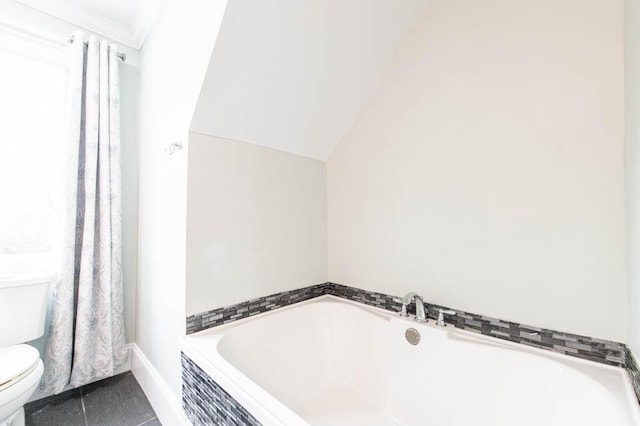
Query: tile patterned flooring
117, 401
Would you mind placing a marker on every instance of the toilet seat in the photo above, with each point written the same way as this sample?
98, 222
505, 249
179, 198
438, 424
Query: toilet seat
20, 372
16, 363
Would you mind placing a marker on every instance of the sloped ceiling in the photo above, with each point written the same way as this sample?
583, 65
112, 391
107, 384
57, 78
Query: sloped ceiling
293, 74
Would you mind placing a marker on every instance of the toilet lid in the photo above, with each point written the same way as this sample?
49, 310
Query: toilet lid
16, 360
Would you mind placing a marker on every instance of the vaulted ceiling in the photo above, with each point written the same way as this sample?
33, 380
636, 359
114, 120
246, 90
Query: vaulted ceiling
286, 74
294, 74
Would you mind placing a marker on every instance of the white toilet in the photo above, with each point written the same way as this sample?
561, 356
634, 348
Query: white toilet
23, 307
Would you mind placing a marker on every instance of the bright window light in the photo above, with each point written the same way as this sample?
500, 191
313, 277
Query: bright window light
32, 98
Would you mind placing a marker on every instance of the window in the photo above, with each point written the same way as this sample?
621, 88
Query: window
32, 93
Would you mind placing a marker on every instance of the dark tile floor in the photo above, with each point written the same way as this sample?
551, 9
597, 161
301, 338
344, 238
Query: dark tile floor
117, 401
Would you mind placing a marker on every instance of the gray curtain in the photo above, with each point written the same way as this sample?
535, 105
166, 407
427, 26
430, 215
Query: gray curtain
86, 337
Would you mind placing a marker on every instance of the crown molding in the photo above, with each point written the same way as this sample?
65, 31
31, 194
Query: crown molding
132, 34
145, 17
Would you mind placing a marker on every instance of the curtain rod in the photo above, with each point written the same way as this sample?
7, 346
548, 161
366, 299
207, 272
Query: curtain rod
121, 55
18, 27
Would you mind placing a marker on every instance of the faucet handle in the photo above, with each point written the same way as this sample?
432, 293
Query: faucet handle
441, 312
403, 312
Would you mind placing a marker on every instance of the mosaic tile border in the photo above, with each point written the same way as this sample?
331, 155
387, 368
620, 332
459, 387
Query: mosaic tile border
227, 314
589, 348
231, 313
206, 403
371, 298
634, 371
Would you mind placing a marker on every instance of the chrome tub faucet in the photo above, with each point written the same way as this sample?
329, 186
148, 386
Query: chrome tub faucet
421, 315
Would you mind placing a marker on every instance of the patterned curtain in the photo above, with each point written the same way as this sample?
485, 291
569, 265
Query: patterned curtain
86, 337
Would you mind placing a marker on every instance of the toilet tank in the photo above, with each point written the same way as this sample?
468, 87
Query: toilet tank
23, 307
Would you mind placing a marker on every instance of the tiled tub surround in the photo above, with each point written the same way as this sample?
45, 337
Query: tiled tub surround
312, 363
593, 349
604, 351
206, 403
227, 314
634, 372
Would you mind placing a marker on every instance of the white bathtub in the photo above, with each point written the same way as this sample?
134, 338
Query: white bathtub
329, 361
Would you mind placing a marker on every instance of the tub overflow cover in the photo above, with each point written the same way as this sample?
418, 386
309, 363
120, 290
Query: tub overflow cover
412, 336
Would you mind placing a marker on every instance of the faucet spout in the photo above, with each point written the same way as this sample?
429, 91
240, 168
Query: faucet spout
409, 298
421, 315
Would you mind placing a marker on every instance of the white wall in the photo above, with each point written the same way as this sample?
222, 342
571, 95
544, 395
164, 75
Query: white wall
129, 74
632, 163
174, 60
293, 74
486, 171
256, 222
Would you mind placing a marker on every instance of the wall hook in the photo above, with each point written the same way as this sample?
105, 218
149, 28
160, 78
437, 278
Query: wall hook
173, 147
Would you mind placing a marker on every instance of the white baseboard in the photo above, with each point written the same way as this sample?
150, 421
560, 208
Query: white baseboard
164, 403
122, 369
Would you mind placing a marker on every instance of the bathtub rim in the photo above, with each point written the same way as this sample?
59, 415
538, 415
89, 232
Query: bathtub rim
259, 403
270, 411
